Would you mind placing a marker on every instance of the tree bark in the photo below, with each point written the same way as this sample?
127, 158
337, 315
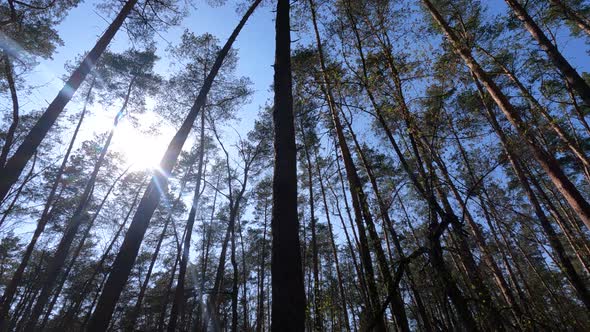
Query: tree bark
76, 252
80, 299
318, 317
288, 294
581, 290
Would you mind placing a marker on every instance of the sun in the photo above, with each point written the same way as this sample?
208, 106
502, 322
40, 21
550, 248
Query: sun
141, 150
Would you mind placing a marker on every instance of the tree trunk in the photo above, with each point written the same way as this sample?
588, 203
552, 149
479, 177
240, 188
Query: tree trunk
260, 310
572, 15
206, 243
570, 74
162, 317
79, 300
393, 288
344, 308
478, 233
553, 123
136, 309
16, 194
245, 274
14, 166
76, 253
318, 317
288, 294
178, 304
234, 291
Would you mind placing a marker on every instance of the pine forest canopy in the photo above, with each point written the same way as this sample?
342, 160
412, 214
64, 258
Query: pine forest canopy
318, 165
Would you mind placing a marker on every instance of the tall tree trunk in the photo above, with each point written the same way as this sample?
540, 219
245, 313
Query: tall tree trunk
477, 232
356, 192
137, 307
168, 291
14, 166
569, 73
206, 244
129, 249
318, 318
393, 288
545, 158
436, 229
234, 207
235, 274
288, 294
16, 194
178, 304
553, 123
344, 307
262, 271
245, 274
561, 222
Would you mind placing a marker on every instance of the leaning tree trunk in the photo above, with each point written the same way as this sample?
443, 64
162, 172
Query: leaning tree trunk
581, 289
261, 274
572, 15
234, 208
14, 166
77, 303
566, 69
435, 228
129, 249
344, 309
136, 309
234, 292
356, 192
77, 252
478, 232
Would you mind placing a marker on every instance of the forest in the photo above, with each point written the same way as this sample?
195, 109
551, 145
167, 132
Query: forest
309, 165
